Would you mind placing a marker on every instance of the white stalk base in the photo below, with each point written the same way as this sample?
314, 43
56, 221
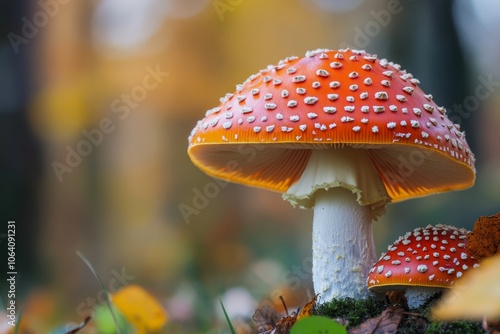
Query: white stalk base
343, 246
417, 296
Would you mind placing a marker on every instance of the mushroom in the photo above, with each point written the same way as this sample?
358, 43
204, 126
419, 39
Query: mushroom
342, 132
423, 263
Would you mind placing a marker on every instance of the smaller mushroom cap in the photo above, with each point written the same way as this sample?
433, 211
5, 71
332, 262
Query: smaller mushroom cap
434, 256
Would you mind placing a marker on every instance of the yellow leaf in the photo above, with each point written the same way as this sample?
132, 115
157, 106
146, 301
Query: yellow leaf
308, 308
140, 308
475, 296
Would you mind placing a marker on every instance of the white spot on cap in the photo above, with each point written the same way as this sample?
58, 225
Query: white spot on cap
414, 123
353, 74
353, 87
335, 64
246, 110
284, 93
366, 67
391, 125
291, 70
381, 95
428, 107
329, 110
303, 127
256, 129
409, 89
333, 125
227, 125
378, 109
363, 95
291, 103
255, 91
312, 115
385, 83
364, 120
417, 111
356, 128
322, 73
365, 109
388, 274
425, 134
349, 108
268, 96
387, 73
270, 128
431, 277
334, 84
263, 118
422, 268
294, 118
332, 97
375, 129
407, 270
270, 106
310, 100
250, 119
401, 98
380, 269
267, 78
300, 90
277, 82
279, 116
368, 81
349, 98
346, 119
299, 78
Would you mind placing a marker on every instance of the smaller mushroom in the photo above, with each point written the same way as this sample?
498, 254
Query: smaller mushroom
423, 262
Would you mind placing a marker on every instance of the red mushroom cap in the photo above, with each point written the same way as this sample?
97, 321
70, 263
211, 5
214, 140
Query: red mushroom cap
332, 98
427, 257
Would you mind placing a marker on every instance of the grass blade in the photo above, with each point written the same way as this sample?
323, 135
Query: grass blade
231, 328
108, 301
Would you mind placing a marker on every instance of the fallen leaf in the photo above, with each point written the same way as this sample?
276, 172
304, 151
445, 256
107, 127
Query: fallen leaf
140, 308
265, 318
491, 327
484, 239
285, 324
308, 308
386, 323
475, 296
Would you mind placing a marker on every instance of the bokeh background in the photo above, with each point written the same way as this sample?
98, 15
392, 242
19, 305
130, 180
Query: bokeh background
70, 69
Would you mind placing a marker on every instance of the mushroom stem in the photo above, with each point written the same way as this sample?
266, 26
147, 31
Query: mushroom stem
343, 253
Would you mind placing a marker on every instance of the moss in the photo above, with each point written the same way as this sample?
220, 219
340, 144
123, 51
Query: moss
454, 327
414, 321
354, 311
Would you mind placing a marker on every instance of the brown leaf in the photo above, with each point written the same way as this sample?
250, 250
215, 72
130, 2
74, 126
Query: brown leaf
265, 318
386, 323
285, 324
484, 240
308, 308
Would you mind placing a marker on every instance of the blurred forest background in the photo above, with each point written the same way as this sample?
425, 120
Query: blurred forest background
125, 81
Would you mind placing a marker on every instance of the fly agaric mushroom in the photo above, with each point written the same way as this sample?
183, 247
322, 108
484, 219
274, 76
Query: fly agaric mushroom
343, 132
423, 263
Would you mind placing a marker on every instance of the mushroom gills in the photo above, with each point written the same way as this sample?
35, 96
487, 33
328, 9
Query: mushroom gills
346, 167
